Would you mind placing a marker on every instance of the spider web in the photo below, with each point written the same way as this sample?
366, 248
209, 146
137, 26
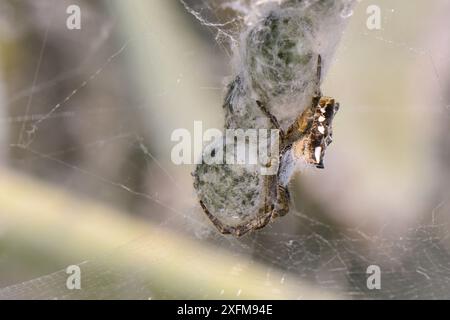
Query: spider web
331, 235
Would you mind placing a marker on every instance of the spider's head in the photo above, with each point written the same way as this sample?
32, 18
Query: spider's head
319, 135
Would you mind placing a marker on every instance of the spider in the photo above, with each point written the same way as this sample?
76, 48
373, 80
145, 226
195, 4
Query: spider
238, 199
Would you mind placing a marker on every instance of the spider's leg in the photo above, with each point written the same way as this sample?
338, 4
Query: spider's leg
283, 201
223, 229
319, 69
318, 77
272, 118
219, 225
252, 225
